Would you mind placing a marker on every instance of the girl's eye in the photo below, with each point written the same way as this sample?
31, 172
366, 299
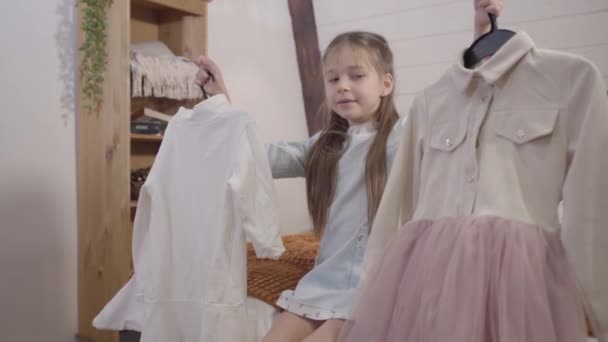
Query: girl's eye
333, 80
358, 76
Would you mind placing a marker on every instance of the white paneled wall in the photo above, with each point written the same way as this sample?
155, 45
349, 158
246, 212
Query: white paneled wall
427, 35
252, 42
38, 223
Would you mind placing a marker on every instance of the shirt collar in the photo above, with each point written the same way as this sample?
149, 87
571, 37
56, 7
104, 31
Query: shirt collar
365, 128
204, 109
498, 65
211, 104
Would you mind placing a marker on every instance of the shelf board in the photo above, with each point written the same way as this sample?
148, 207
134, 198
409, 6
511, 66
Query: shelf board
187, 7
146, 137
133, 204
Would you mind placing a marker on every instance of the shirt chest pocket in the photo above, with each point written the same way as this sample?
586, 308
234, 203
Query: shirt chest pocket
524, 126
447, 136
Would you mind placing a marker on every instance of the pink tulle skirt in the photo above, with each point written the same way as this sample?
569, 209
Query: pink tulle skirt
470, 279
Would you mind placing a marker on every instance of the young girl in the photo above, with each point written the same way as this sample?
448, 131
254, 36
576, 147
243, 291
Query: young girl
346, 167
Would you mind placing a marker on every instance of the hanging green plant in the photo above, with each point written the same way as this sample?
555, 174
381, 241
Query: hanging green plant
95, 56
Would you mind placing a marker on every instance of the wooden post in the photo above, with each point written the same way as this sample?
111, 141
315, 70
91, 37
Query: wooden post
309, 60
104, 240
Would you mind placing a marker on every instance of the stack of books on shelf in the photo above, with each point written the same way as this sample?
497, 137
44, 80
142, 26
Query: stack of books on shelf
148, 121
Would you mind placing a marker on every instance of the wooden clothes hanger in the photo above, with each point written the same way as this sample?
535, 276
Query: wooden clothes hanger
487, 44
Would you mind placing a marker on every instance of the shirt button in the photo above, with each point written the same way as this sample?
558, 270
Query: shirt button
470, 178
449, 142
521, 133
484, 98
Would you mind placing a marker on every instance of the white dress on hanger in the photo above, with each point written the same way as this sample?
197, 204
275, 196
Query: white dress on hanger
209, 191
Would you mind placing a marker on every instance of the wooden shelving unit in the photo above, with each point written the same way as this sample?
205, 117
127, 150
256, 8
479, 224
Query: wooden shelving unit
187, 7
146, 137
181, 25
107, 152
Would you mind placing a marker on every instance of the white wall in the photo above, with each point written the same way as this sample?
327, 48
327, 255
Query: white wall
252, 41
38, 298
427, 35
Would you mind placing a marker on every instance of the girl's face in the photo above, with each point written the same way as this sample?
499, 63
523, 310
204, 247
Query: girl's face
353, 87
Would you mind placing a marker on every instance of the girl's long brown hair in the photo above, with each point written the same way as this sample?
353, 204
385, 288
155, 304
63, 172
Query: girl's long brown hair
322, 159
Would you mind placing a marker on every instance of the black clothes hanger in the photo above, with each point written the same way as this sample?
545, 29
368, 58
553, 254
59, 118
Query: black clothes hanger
205, 94
487, 44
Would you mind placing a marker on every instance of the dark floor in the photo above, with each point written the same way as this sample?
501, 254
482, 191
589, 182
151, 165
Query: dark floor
129, 336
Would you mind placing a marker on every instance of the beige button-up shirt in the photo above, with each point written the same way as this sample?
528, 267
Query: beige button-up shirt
512, 138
